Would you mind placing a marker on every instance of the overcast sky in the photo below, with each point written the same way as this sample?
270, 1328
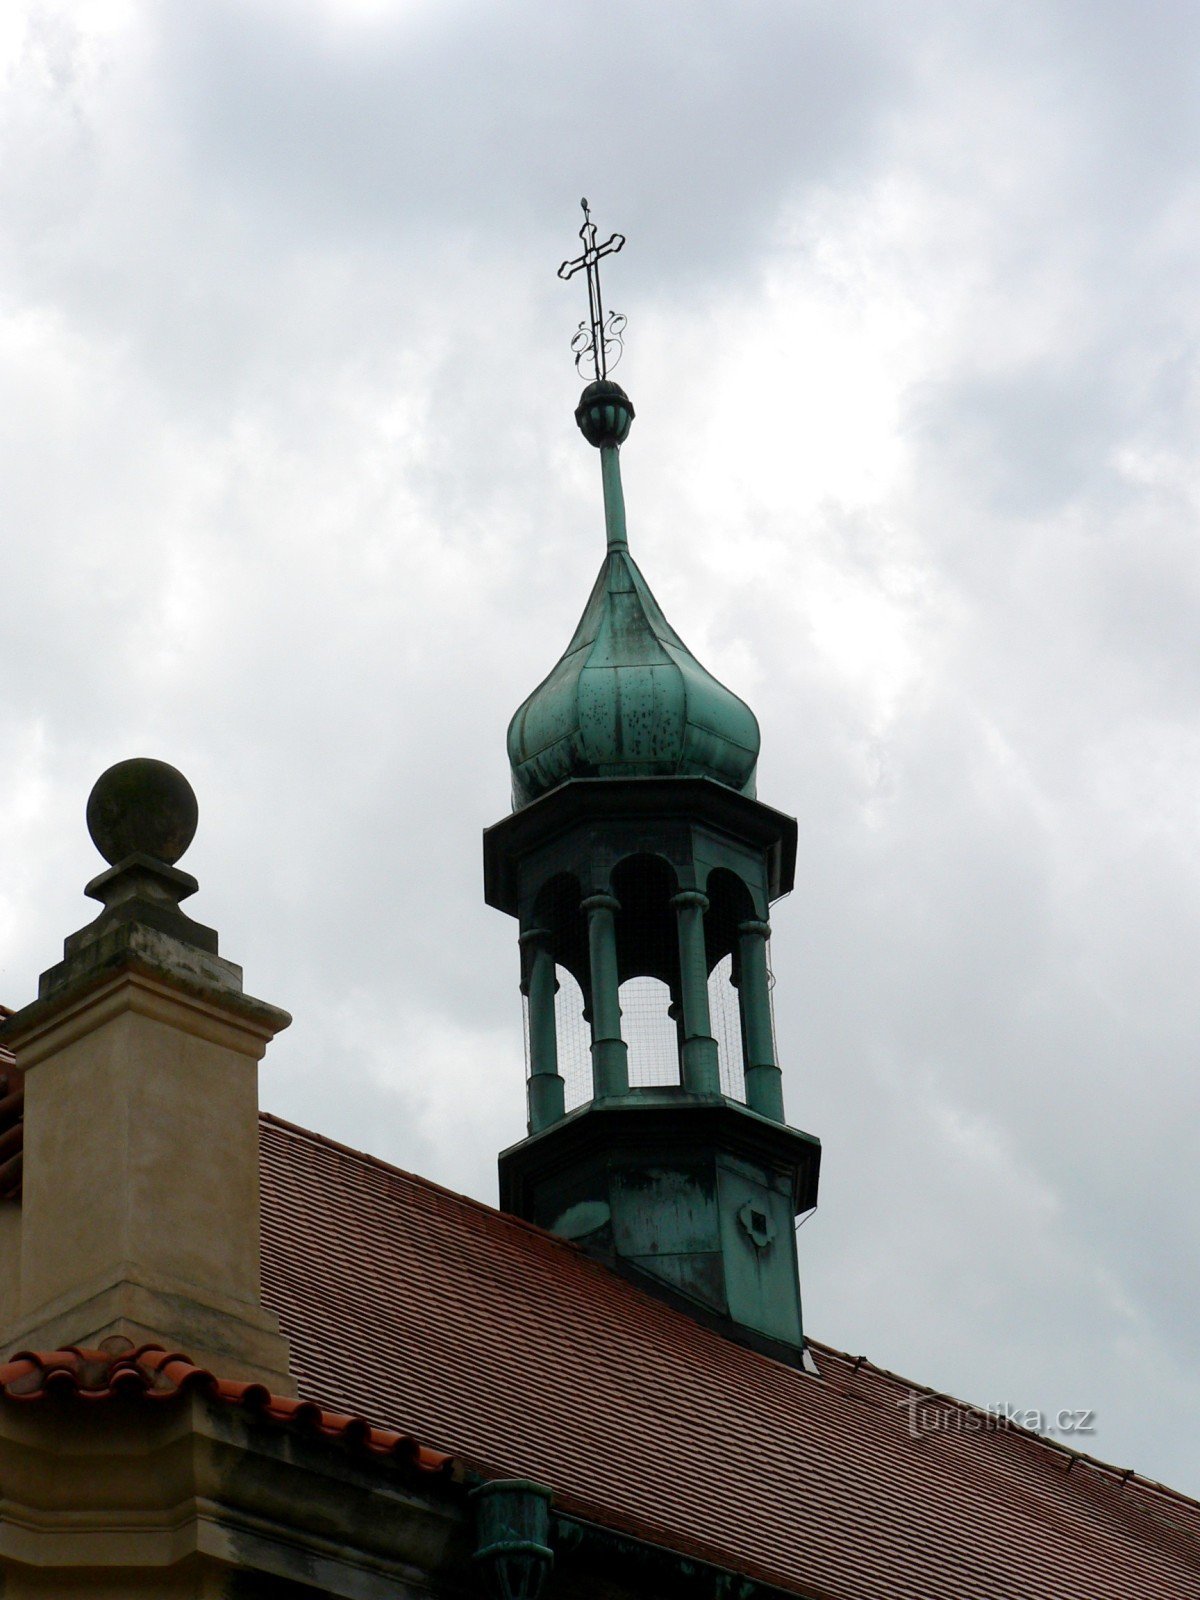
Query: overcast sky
293, 498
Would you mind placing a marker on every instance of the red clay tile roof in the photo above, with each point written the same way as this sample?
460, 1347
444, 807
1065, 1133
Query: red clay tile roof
148, 1372
512, 1350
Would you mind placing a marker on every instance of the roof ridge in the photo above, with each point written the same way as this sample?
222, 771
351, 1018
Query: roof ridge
1124, 1475
422, 1182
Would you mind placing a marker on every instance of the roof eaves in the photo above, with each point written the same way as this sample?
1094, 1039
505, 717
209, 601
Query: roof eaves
635, 1552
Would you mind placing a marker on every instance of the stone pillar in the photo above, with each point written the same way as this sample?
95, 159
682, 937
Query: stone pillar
764, 1081
10, 1254
140, 1200
547, 1101
12, 1111
610, 1055
700, 1070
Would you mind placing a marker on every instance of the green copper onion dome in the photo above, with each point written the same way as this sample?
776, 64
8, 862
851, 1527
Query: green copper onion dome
627, 699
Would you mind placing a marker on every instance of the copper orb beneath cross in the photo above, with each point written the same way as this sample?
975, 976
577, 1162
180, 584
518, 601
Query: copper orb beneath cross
142, 807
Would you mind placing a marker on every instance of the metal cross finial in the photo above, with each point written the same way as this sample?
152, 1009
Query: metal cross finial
593, 343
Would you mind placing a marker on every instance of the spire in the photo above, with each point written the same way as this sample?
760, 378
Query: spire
637, 854
605, 415
627, 698
604, 412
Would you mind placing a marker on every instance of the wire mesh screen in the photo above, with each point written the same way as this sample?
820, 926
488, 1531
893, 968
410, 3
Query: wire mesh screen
649, 1030
727, 1029
771, 1001
574, 1040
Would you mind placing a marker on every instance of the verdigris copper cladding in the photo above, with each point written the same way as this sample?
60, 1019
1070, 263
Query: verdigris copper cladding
627, 699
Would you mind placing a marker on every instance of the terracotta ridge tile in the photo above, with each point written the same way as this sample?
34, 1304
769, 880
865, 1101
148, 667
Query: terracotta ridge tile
151, 1372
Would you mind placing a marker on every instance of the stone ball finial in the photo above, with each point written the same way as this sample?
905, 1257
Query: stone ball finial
142, 807
604, 413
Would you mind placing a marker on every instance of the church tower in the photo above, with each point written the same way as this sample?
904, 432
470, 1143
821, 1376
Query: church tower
641, 868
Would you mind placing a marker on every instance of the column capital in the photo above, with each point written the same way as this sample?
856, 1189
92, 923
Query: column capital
753, 926
690, 897
533, 936
600, 902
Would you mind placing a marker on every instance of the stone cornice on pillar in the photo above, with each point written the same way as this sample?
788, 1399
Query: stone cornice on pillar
136, 979
175, 1496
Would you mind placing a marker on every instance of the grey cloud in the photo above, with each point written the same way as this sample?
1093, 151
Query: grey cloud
293, 498
684, 122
